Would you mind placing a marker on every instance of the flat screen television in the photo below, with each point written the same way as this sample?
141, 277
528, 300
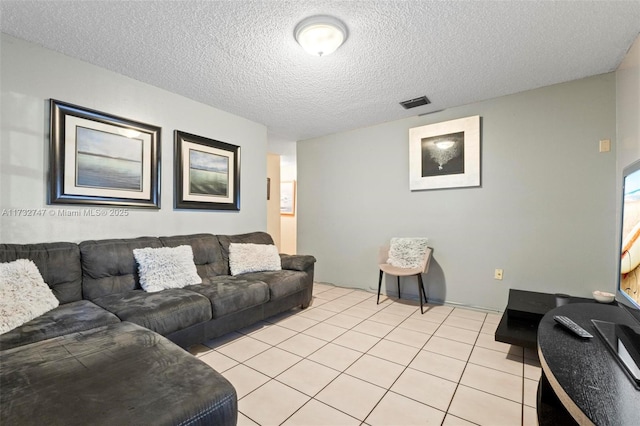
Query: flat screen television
624, 340
629, 272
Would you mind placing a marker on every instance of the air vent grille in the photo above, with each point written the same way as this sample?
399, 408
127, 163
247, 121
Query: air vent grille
412, 103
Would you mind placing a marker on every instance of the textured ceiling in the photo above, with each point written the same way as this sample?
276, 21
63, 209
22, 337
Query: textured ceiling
240, 56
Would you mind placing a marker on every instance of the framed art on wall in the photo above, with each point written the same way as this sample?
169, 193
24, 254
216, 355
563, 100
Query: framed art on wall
101, 159
268, 189
207, 173
288, 198
445, 155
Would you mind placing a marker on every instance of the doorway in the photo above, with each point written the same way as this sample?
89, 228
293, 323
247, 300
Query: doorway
282, 222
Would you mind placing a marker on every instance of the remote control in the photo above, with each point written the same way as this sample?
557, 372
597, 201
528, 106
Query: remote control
572, 326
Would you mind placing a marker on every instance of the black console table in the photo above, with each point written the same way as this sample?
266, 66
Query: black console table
525, 309
582, 381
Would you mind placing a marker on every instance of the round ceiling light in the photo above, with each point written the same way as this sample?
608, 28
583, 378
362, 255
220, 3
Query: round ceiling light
320, 35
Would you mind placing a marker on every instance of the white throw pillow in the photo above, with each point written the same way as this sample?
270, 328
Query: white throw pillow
407, 252
249, 257
166, 267
23, 294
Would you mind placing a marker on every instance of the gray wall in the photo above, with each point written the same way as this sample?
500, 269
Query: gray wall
30, 75
545, 212
628, 107
627, 120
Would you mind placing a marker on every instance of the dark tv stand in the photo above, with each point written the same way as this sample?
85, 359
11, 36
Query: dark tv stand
582, 380
525, 309
624, 343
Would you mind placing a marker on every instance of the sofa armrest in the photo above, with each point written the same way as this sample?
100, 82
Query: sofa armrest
297, 262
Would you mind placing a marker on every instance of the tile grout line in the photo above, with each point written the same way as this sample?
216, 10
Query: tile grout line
461, 375
274, 378
490, 393
388, 389
355, 302
522, 396
306, 358
458, 383
339, 371
346, 368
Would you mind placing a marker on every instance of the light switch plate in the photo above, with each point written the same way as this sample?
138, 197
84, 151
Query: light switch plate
605, 145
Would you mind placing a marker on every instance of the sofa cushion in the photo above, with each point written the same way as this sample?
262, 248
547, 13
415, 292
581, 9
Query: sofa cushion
163, 312
58, 263
207, 252
250, 257
166, 267
68, 318
281, 283
23, 294
120, 374
231, 294
108, 266
252, 237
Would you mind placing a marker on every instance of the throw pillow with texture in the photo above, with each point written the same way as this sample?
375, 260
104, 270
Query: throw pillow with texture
250, 257
166, 267
23, 294
407, 252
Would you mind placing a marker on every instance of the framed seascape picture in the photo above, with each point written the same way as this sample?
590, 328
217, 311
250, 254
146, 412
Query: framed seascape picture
445, 155
100, 159
288, 198
207, 173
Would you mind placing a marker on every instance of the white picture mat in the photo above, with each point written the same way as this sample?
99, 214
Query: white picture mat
288, 197
70, 188
186, 190
471, 176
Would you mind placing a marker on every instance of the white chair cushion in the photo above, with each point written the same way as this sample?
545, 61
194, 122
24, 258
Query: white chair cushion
407, 252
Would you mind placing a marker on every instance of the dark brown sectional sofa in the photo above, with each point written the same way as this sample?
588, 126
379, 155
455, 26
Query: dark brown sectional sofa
107, 351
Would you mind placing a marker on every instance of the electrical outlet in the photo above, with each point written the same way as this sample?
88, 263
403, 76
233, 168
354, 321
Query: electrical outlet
497, 274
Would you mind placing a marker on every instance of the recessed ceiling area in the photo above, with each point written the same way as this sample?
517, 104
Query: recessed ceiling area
241, 56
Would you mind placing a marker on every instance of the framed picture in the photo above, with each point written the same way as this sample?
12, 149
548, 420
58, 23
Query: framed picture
207, 173
100, 159
288, 198
445, 155
268, 189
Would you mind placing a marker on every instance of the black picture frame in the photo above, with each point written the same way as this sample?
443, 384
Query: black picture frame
207, 173
102, 159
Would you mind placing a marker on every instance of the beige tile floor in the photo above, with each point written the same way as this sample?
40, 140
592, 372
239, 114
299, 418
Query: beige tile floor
347, 361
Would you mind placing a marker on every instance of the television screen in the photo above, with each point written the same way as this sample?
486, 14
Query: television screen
629, 284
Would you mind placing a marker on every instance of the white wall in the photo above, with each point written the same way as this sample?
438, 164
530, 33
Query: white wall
273, 203
545, 212
288, 172
628, 107
30, 75
627, 120
289, 229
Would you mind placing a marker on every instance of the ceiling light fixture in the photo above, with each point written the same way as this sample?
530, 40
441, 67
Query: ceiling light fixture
320, 35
